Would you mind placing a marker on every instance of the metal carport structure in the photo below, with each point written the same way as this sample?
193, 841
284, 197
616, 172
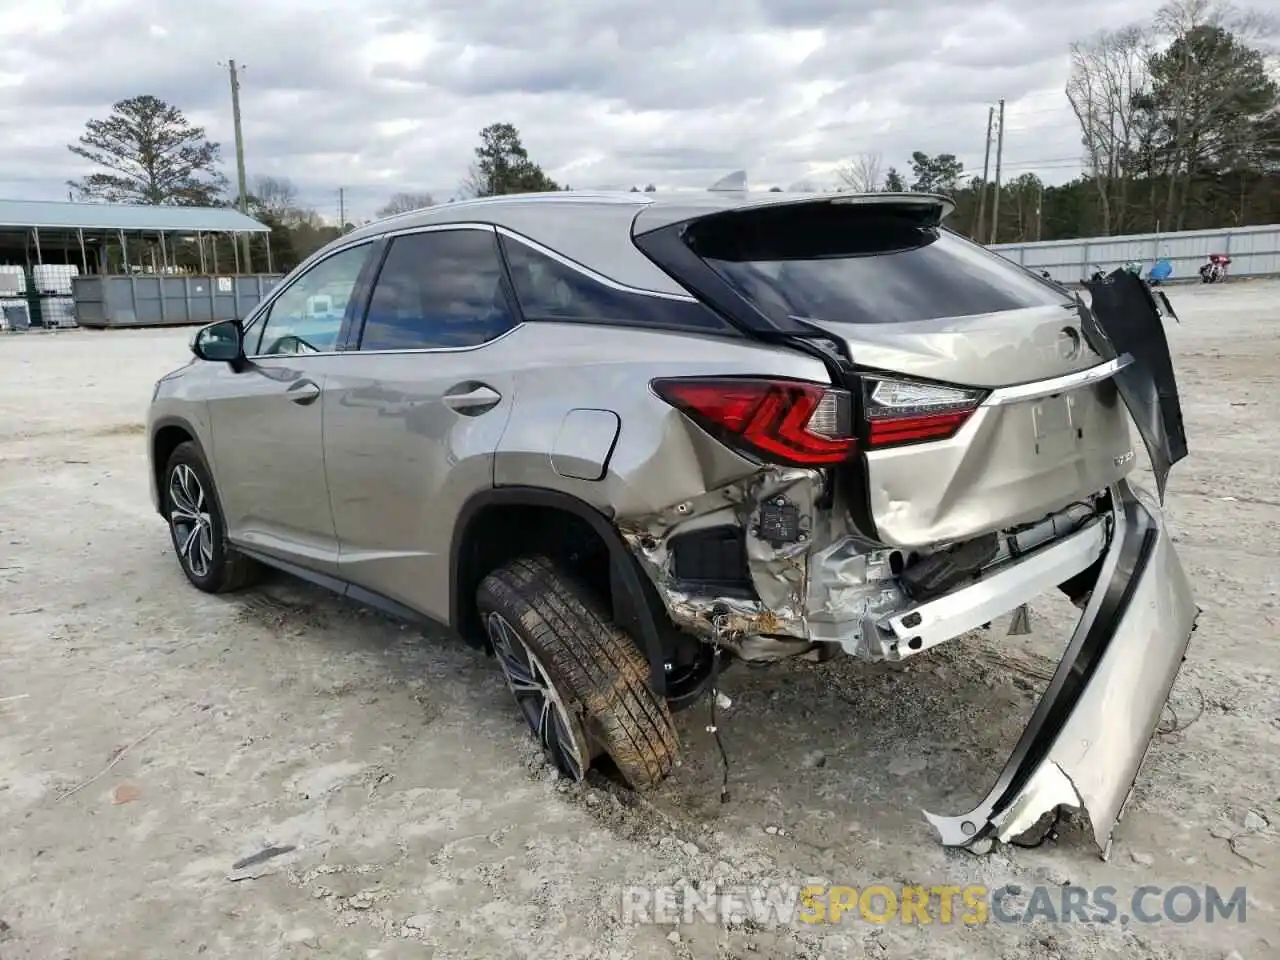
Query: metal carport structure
37, 232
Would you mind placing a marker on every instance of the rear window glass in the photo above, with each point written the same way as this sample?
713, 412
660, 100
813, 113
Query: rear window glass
848, 264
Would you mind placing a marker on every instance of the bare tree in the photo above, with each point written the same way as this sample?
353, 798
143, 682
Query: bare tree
404, 202
1108, 74
277, 197
862, 173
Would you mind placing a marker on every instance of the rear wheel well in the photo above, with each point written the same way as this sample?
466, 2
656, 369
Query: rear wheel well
504, 523
503, 532
166, 440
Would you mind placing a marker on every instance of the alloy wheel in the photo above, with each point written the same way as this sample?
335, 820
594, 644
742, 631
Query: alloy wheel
539, 701
190, 520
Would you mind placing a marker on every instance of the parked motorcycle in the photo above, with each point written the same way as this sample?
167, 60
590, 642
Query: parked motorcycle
1215, 270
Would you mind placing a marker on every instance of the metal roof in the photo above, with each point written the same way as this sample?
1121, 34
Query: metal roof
60, 215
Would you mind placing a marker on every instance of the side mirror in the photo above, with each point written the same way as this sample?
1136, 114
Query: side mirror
221, 342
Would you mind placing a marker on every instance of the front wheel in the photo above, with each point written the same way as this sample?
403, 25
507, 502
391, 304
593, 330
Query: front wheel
580, 682
197, 527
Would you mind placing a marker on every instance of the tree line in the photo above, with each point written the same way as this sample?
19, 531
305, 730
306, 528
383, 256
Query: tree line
147, 152
1179, 121
1179, 124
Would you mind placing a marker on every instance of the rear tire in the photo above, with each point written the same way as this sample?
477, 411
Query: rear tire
595, 697
197, 527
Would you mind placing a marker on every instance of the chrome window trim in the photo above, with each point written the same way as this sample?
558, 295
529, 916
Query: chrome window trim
578, 268
438, 228
390, 234
587, 272
474, 346
1022, 392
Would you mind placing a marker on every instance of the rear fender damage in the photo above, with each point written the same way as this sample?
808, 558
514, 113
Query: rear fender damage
814, 579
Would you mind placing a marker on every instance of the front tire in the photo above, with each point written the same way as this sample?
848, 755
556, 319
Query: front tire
580, 681
197, 527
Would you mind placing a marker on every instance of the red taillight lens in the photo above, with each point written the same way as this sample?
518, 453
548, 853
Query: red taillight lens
901, 411
783, 421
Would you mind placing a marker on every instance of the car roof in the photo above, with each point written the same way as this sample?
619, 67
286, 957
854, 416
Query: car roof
594, 229
666, 206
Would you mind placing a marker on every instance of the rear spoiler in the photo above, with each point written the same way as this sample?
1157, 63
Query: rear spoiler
736, 184
662, 232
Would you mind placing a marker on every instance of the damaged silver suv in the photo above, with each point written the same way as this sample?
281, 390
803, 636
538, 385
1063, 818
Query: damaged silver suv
620, 441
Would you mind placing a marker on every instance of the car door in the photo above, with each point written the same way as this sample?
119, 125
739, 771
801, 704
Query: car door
266, 417
415, 408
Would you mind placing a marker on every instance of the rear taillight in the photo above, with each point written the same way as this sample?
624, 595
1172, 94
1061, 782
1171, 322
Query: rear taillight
791, 422
902, 411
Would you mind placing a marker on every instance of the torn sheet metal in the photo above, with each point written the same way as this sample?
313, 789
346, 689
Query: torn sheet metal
779, 568
817, 580
1091, 730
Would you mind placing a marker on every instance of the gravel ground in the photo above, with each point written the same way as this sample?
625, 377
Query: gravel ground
420, 822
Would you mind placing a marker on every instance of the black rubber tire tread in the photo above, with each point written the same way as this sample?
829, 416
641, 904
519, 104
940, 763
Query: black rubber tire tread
596, 667
232, 570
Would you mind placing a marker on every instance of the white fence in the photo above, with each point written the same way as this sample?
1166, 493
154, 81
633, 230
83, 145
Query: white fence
1254, 251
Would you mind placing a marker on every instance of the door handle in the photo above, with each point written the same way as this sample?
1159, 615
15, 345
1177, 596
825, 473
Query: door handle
303, 392
476, 400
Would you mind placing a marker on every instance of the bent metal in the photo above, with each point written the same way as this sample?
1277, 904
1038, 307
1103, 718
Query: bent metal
621, 441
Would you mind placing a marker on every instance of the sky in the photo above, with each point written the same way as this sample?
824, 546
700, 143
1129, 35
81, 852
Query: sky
380, 96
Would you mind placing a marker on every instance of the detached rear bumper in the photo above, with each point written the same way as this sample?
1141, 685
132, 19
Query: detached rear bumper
1091, 730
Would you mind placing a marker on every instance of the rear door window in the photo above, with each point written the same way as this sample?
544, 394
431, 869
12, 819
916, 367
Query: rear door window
438, 290
851, 265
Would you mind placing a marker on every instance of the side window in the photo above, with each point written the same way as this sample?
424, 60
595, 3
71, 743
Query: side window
307, 316
438, 289
549, 290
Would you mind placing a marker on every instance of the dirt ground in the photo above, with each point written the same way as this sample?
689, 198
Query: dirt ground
424, 824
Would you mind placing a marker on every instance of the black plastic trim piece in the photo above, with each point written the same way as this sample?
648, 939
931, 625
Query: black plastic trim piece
361, 295
161, 424
340, 587
712, 559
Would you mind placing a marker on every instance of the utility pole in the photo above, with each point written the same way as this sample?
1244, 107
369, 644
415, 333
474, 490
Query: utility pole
995, 202
244, 190
979, 216
342, 211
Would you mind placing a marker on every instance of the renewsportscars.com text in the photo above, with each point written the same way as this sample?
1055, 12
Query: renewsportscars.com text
969, 905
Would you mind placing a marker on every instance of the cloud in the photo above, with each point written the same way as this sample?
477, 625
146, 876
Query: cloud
378, 96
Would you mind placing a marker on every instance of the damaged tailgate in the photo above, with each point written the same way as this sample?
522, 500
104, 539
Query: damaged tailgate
1089, 733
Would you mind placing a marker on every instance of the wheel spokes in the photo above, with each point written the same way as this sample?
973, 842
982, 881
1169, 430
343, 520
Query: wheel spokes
192, 525
544, 711
188, 541
183, 502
